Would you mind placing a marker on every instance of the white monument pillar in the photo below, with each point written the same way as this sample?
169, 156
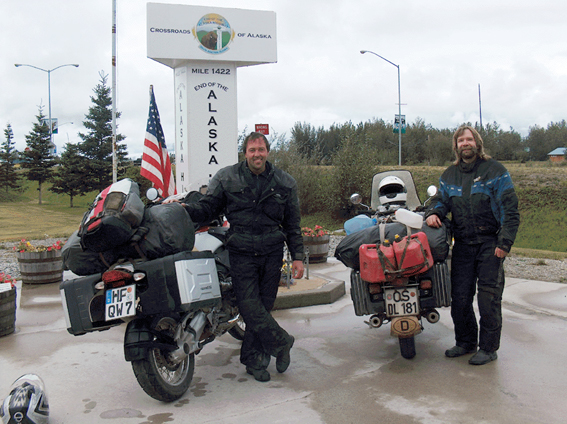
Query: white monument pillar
205, 46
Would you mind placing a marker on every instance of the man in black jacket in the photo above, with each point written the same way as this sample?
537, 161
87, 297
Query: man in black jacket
260, 202
479, 194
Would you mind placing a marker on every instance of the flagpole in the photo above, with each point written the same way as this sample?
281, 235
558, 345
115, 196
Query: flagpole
114, 161
479, 106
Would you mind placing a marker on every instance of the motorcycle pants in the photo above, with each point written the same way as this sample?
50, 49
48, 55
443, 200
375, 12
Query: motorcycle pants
255, 280
476, 267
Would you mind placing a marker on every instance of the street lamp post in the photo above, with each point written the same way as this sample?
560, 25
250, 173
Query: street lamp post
17, 65
399, 105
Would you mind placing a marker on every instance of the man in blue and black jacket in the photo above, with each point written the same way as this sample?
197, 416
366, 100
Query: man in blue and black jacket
478, 193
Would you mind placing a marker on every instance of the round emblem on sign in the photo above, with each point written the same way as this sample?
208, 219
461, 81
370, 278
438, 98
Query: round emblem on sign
213, 33
405, 326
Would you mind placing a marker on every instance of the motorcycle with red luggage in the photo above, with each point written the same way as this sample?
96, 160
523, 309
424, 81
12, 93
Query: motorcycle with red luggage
399, 269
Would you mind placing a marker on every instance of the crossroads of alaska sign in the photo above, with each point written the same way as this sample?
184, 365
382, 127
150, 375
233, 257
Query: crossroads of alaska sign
205, 46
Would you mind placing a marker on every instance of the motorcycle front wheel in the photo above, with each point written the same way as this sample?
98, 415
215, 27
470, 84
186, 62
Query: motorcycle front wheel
407, 347
160, 377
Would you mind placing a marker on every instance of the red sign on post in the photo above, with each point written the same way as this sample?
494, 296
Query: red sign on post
263, 129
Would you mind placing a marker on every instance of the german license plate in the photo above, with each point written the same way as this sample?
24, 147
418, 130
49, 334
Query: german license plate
401, 301
120, 302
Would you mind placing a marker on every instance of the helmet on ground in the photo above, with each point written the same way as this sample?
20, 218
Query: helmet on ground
26, 403
392, 190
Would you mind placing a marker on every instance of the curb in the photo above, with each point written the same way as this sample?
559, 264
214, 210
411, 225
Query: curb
327, 293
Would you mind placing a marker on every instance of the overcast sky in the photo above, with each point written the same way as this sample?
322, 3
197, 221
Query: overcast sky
516, 50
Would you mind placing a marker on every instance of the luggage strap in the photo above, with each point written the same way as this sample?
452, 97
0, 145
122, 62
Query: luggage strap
136, 238
423, 252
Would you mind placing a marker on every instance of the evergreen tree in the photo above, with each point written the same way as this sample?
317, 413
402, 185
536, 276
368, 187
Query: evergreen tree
304, 138
96, 148
8, 154
538, 143
37, 159
70, 175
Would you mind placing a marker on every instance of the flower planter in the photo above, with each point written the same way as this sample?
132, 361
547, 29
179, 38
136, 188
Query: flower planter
41, 267
7, 312
318, 248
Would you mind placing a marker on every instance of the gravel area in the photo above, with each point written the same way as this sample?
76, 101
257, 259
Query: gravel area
515, 266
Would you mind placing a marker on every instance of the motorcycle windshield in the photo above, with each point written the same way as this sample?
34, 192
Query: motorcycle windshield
412, 201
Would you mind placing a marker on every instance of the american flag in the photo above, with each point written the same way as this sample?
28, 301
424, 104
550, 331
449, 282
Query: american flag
156, 166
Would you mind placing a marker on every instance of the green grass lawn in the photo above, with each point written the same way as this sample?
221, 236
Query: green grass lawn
36, 222
23, 217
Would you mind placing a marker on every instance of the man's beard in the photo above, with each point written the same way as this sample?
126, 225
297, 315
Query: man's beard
468, 153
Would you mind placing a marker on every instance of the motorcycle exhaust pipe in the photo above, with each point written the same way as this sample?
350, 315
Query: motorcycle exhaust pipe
188, 340
234, 320
222, 327
376, 321
432, 316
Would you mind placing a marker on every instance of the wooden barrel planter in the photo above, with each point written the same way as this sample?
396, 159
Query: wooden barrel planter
41, 267
318, 248
7, 312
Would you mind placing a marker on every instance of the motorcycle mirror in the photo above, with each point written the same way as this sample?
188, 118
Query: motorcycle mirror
355, 199
431, 191
152, 194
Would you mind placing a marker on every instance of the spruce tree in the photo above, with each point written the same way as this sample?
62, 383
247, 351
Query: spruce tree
96, 147
9, 179
37, 159
70, 175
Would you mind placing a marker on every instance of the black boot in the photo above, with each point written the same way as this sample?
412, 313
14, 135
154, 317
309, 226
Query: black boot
283, 359
259, 374
457, 351
483, 357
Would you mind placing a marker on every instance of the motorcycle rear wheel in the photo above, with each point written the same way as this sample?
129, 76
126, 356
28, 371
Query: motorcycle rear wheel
238, 330
407, 347
161, 378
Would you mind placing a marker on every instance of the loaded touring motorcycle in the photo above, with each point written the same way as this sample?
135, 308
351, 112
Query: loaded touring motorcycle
173, 306
399, 269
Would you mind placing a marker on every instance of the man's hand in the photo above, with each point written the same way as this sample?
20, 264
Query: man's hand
297, 269
171, 200
500, 253
433, 221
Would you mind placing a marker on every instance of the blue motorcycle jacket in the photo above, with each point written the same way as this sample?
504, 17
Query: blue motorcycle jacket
481, 199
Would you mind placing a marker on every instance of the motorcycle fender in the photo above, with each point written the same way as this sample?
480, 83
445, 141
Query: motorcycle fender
405, 326
137, 340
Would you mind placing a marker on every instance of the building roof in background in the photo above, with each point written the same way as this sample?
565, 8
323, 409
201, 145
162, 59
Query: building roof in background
560, 151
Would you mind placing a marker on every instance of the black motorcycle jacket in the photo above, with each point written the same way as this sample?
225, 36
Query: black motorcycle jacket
263, 210
482, 201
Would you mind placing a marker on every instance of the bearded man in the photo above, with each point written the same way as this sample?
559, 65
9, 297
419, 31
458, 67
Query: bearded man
478, 193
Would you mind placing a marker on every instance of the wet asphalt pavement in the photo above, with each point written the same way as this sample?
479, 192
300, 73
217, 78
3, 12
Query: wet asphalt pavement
342, 371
